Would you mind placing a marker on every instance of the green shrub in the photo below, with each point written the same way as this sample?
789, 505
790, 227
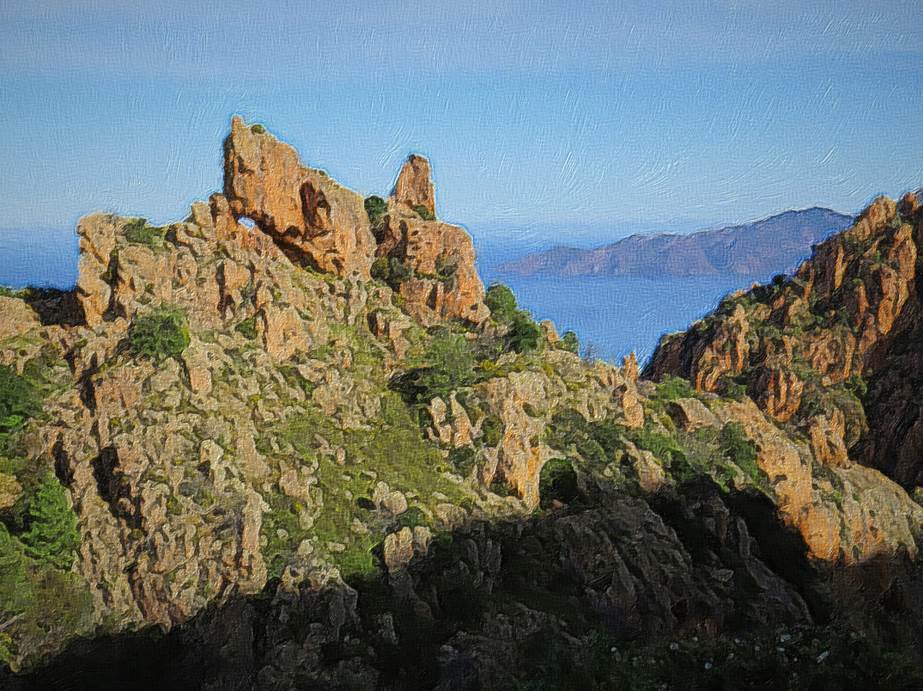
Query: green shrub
445, 268
739, 449
412, 517
283, 532
570, 343
500, 488
19, 400
463, 460
375, 208
160, 334
381, 269
732, 388
857, 386
491, 430
671, 388
663, 446
398, 272
247, 328
140, 232
570, 432
558, 481
501, 302
257, 129
525, 335
424, 213
450, 367
39, 605
52, 536
9, 292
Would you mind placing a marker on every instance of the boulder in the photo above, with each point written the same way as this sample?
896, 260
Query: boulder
690, 414
398, 549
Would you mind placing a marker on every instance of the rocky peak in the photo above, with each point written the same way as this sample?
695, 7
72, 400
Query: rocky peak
313, 218
324, 225
414, 186
831, 343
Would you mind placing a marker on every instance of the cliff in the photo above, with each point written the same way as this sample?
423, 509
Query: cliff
833, 347
314, 452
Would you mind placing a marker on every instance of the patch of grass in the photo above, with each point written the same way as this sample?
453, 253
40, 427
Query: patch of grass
424, 213
399, 455
140, 232
19, 401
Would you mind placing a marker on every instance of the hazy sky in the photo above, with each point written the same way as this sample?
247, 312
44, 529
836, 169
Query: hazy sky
533, 114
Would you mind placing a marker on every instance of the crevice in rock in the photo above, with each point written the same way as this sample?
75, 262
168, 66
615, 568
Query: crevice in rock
62, 466
315, 208
114, 488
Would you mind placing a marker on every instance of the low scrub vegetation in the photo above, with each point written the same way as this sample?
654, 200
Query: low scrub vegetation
140, 232
160, 334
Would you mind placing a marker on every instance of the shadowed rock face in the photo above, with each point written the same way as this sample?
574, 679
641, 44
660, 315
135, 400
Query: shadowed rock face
840, 339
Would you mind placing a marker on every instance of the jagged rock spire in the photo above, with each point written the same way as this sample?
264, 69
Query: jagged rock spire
305, 211
414, 186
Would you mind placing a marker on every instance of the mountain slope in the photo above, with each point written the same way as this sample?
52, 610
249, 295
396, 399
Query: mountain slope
754, 250
834, 351
314, 453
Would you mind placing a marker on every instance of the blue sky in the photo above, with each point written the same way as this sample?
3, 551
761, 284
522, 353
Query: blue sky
555, 117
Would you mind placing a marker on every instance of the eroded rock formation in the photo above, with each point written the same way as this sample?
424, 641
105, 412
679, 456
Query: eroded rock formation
320, 409
838, 339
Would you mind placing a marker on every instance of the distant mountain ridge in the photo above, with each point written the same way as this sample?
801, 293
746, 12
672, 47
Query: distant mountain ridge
757, 250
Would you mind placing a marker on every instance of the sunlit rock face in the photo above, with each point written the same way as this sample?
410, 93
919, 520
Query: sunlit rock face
838, 340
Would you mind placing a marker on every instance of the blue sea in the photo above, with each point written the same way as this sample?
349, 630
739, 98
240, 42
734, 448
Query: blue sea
43, 257
611, 316
614, 316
